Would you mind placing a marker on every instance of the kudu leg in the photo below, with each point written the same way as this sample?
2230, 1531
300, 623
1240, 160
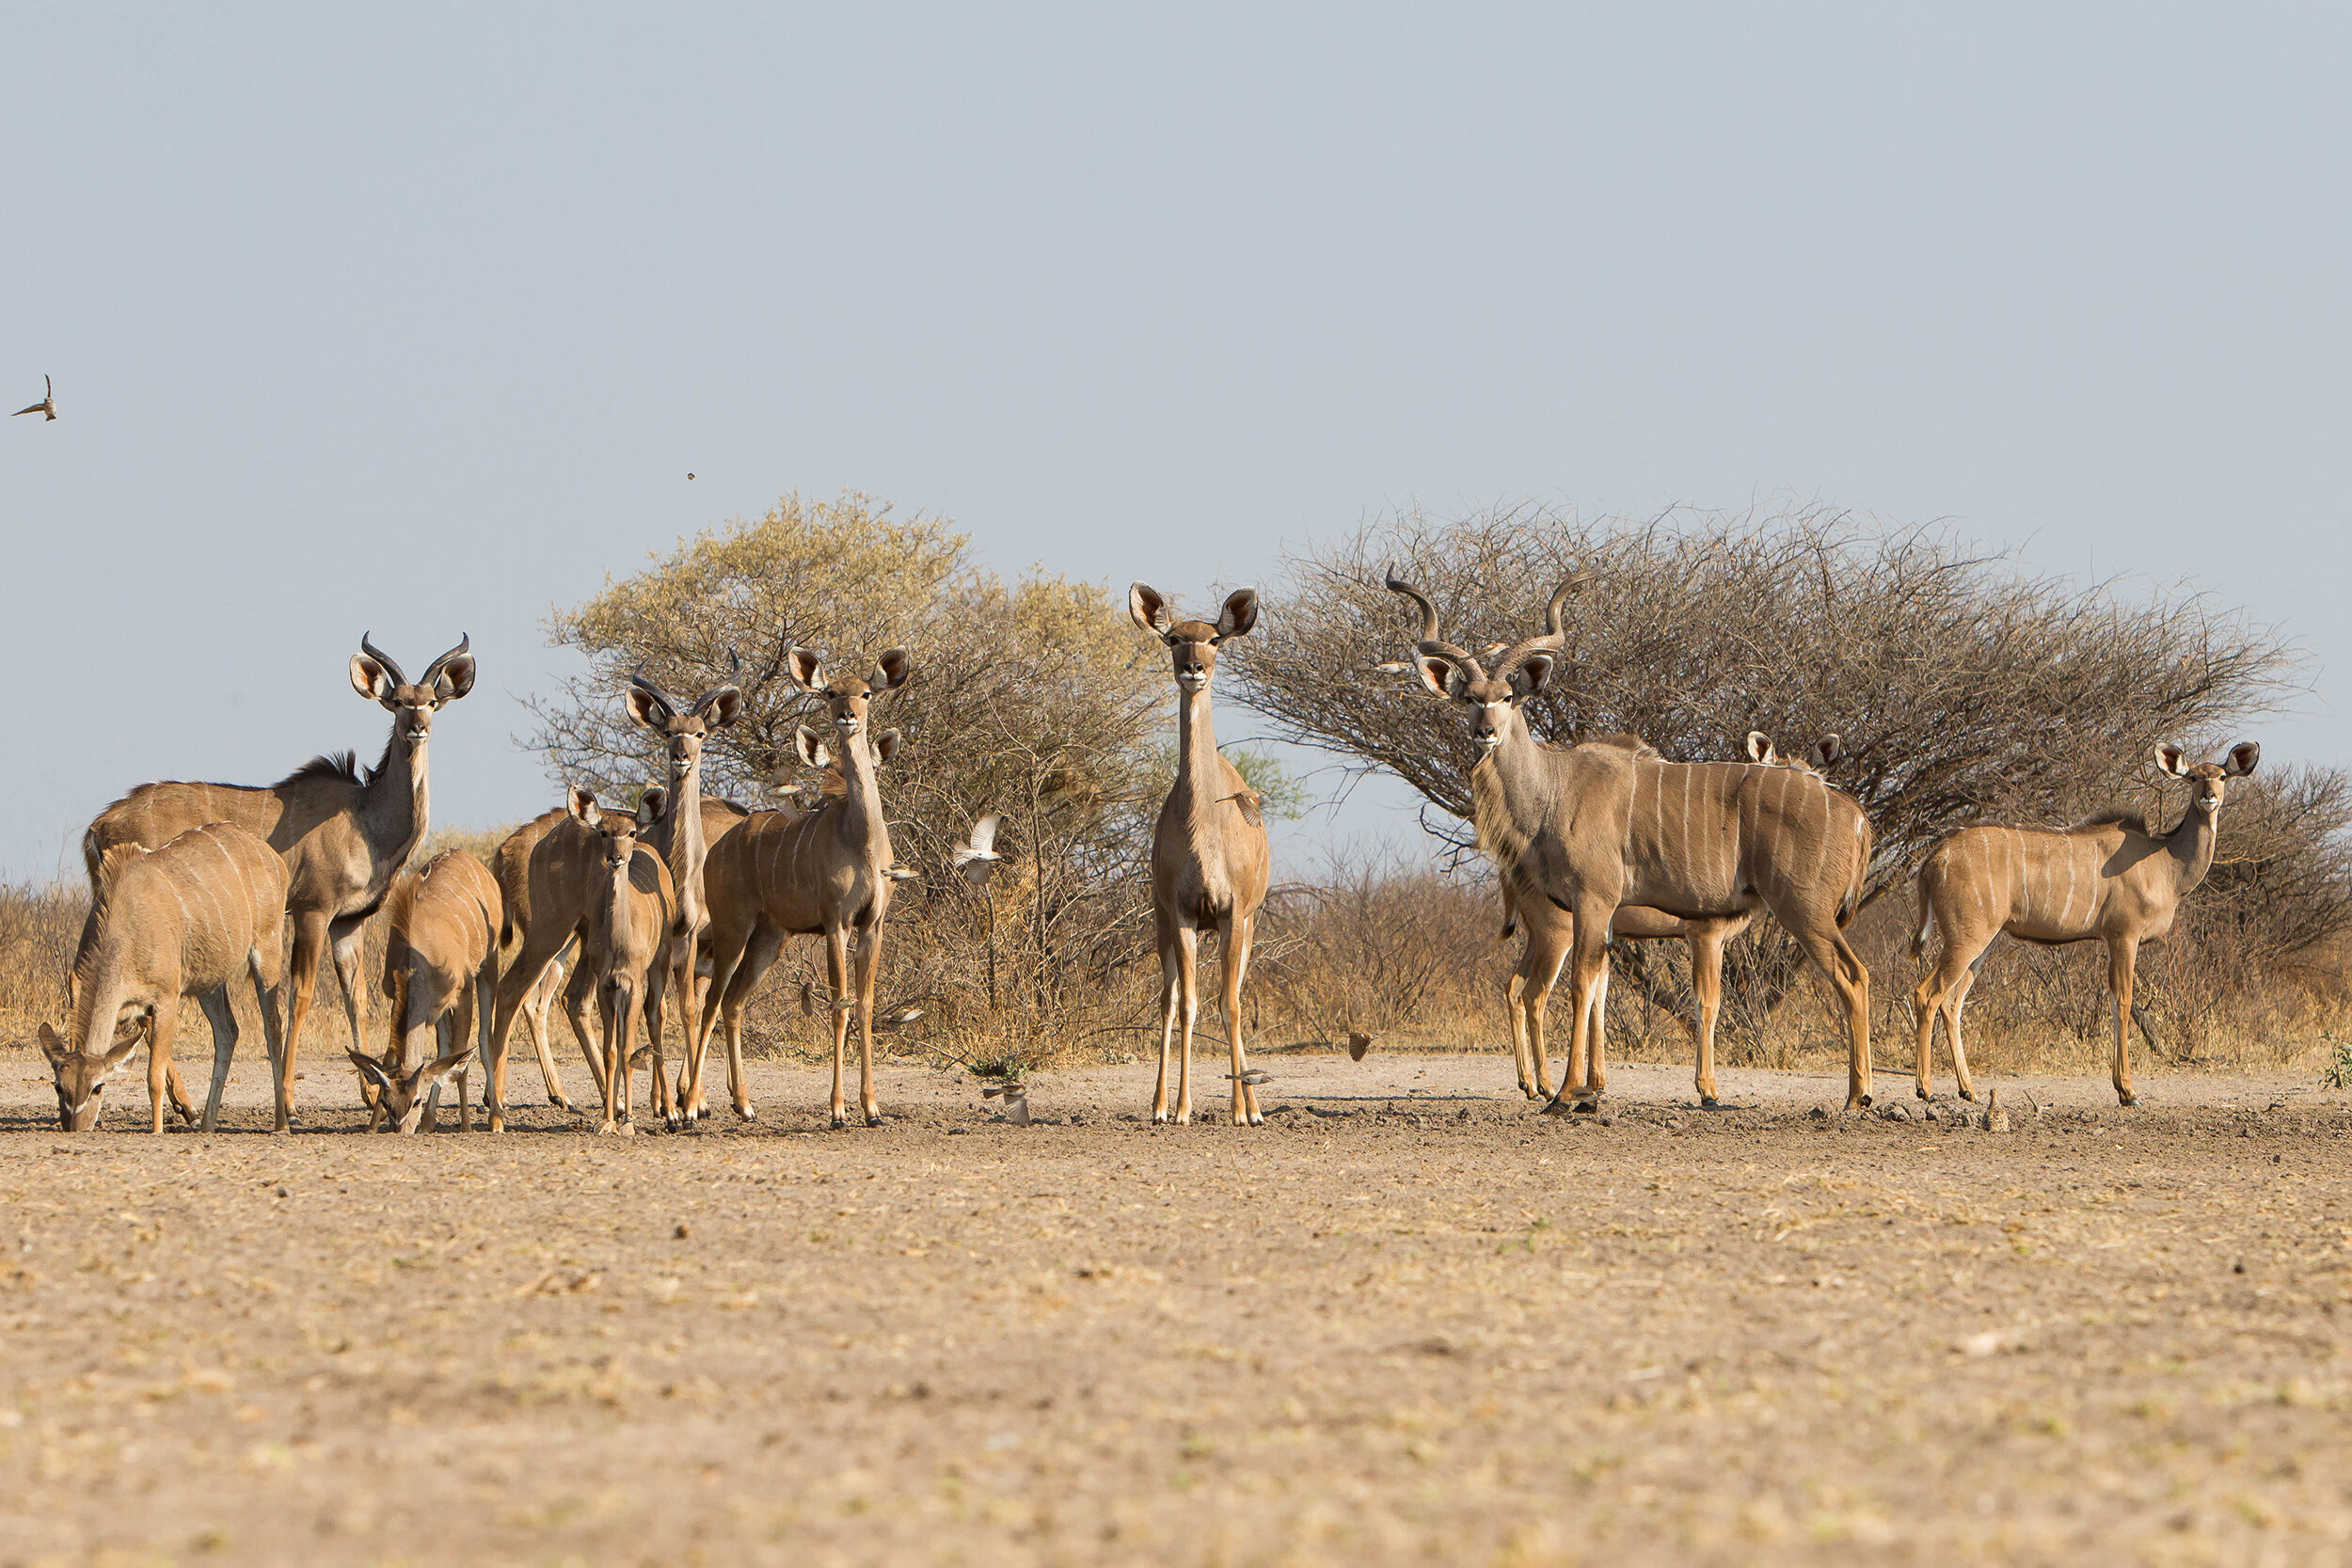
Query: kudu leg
518, 988
309, 946
868, 959
221, 1014
1188, 981
538, 1003
1596, 1056
1588, 961
1955, 1002
1172, 997
1706, 990
734, 976
1827, 947
657, 1008
1526, 996
2123, 953
1234, 938
160, 1026
1938, 995
837, 975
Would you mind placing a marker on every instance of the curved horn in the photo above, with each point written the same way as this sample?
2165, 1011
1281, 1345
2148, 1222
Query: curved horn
1569, 584
1429, 642
1553, 639
639, 681
464, 644
392, 666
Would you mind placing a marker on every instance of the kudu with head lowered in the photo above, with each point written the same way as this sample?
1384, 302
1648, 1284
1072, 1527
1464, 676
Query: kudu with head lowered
184, 920
1592, 827
441, 976
1210, 864
785, 874
1551, 931
343, 834
2110, 880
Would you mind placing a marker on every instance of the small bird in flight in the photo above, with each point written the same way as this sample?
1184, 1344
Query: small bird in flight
1357, 1043
978, 857
689, 476
48, 405
1015, 1095
1253, 1077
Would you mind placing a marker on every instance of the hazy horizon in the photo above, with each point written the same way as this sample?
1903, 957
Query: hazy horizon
416, 324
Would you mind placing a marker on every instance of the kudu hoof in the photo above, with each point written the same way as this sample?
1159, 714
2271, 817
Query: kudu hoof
1921, 1091
873, 1119
1708, 1102
2127, 1099
744, 1113
1968, 1095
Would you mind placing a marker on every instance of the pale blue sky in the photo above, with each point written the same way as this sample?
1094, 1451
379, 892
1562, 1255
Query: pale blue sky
418, 323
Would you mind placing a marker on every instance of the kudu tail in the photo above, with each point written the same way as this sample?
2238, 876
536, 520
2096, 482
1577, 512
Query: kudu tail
1927, 912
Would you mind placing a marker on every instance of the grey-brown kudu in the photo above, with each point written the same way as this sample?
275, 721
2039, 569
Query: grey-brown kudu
1608, 822
2110, 880
343, 834
440, 975
786, 873
183, 920
1209, 859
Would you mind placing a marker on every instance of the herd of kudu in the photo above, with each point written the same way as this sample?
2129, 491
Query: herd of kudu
695, 896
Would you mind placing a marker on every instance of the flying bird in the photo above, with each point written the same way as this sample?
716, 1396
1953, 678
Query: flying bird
901, 873
1015, 1095
1254, 1077
689, 476
1356, 1046
48, 403
897, 1019
1252, 806
978, 857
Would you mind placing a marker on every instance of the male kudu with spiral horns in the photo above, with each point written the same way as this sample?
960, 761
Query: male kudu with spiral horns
343, 834
1608, 822
1210, 865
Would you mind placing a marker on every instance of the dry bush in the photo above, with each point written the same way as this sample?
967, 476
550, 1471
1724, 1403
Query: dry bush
40, 927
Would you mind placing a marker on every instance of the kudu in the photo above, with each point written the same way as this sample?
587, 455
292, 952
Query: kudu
784, 874
680, 835
1210, 864
183, 920
440, 974
2110, 879
1550, 933
1604, 823
343, 834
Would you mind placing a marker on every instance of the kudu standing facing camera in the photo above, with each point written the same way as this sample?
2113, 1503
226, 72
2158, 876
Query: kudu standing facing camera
343, 834
184, 920
1209, 859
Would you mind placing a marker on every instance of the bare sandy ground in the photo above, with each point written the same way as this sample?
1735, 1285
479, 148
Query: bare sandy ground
1408, 1320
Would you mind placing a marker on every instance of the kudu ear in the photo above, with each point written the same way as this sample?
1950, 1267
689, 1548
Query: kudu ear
806, 667
894, 665
646, 708
1825, 751
886, 745
2242, 756
1529, 676
121, 1053
455, 679
720, 705
1442, 677
371, 679
1760, 748
1239, 614
656, 799
52, 1046
2172, 760
581, 803
370, 1069
1147, 608
812, 751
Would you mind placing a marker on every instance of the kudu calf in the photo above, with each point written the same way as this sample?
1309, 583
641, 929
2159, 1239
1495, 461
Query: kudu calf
441, 972
2110, 880
1605, 823
1210, 864
783, 874
184, 920
343, 834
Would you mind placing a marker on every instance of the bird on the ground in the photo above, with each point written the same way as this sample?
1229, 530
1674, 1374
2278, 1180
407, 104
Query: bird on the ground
976, 857
1356, 1046
48, 403
1254, 1077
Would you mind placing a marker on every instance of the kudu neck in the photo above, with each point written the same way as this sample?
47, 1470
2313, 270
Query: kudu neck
1197, 758
2192, 846
98, 998
395, 800
860, 807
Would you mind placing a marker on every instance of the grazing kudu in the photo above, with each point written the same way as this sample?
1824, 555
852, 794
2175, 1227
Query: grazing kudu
2110, 879
1208, 858
183, 920
342, 834
1593, 827
441, 975
680, 836
784, 874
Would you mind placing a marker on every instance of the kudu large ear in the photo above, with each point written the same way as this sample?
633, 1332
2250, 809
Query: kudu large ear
646, 708
454, 680
1147, 608
581, 803
1529, 676
1442, 677
370, 1069
654, 801
120, 1053
806, 667
812, 751
2242, 756
52, 1046
720, 705
1825, 751
886, 745
1760, 748
371, 679
2172, 760
895, 665
1239, 614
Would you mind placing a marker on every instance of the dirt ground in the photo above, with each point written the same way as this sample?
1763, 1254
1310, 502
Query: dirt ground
1408, 1321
